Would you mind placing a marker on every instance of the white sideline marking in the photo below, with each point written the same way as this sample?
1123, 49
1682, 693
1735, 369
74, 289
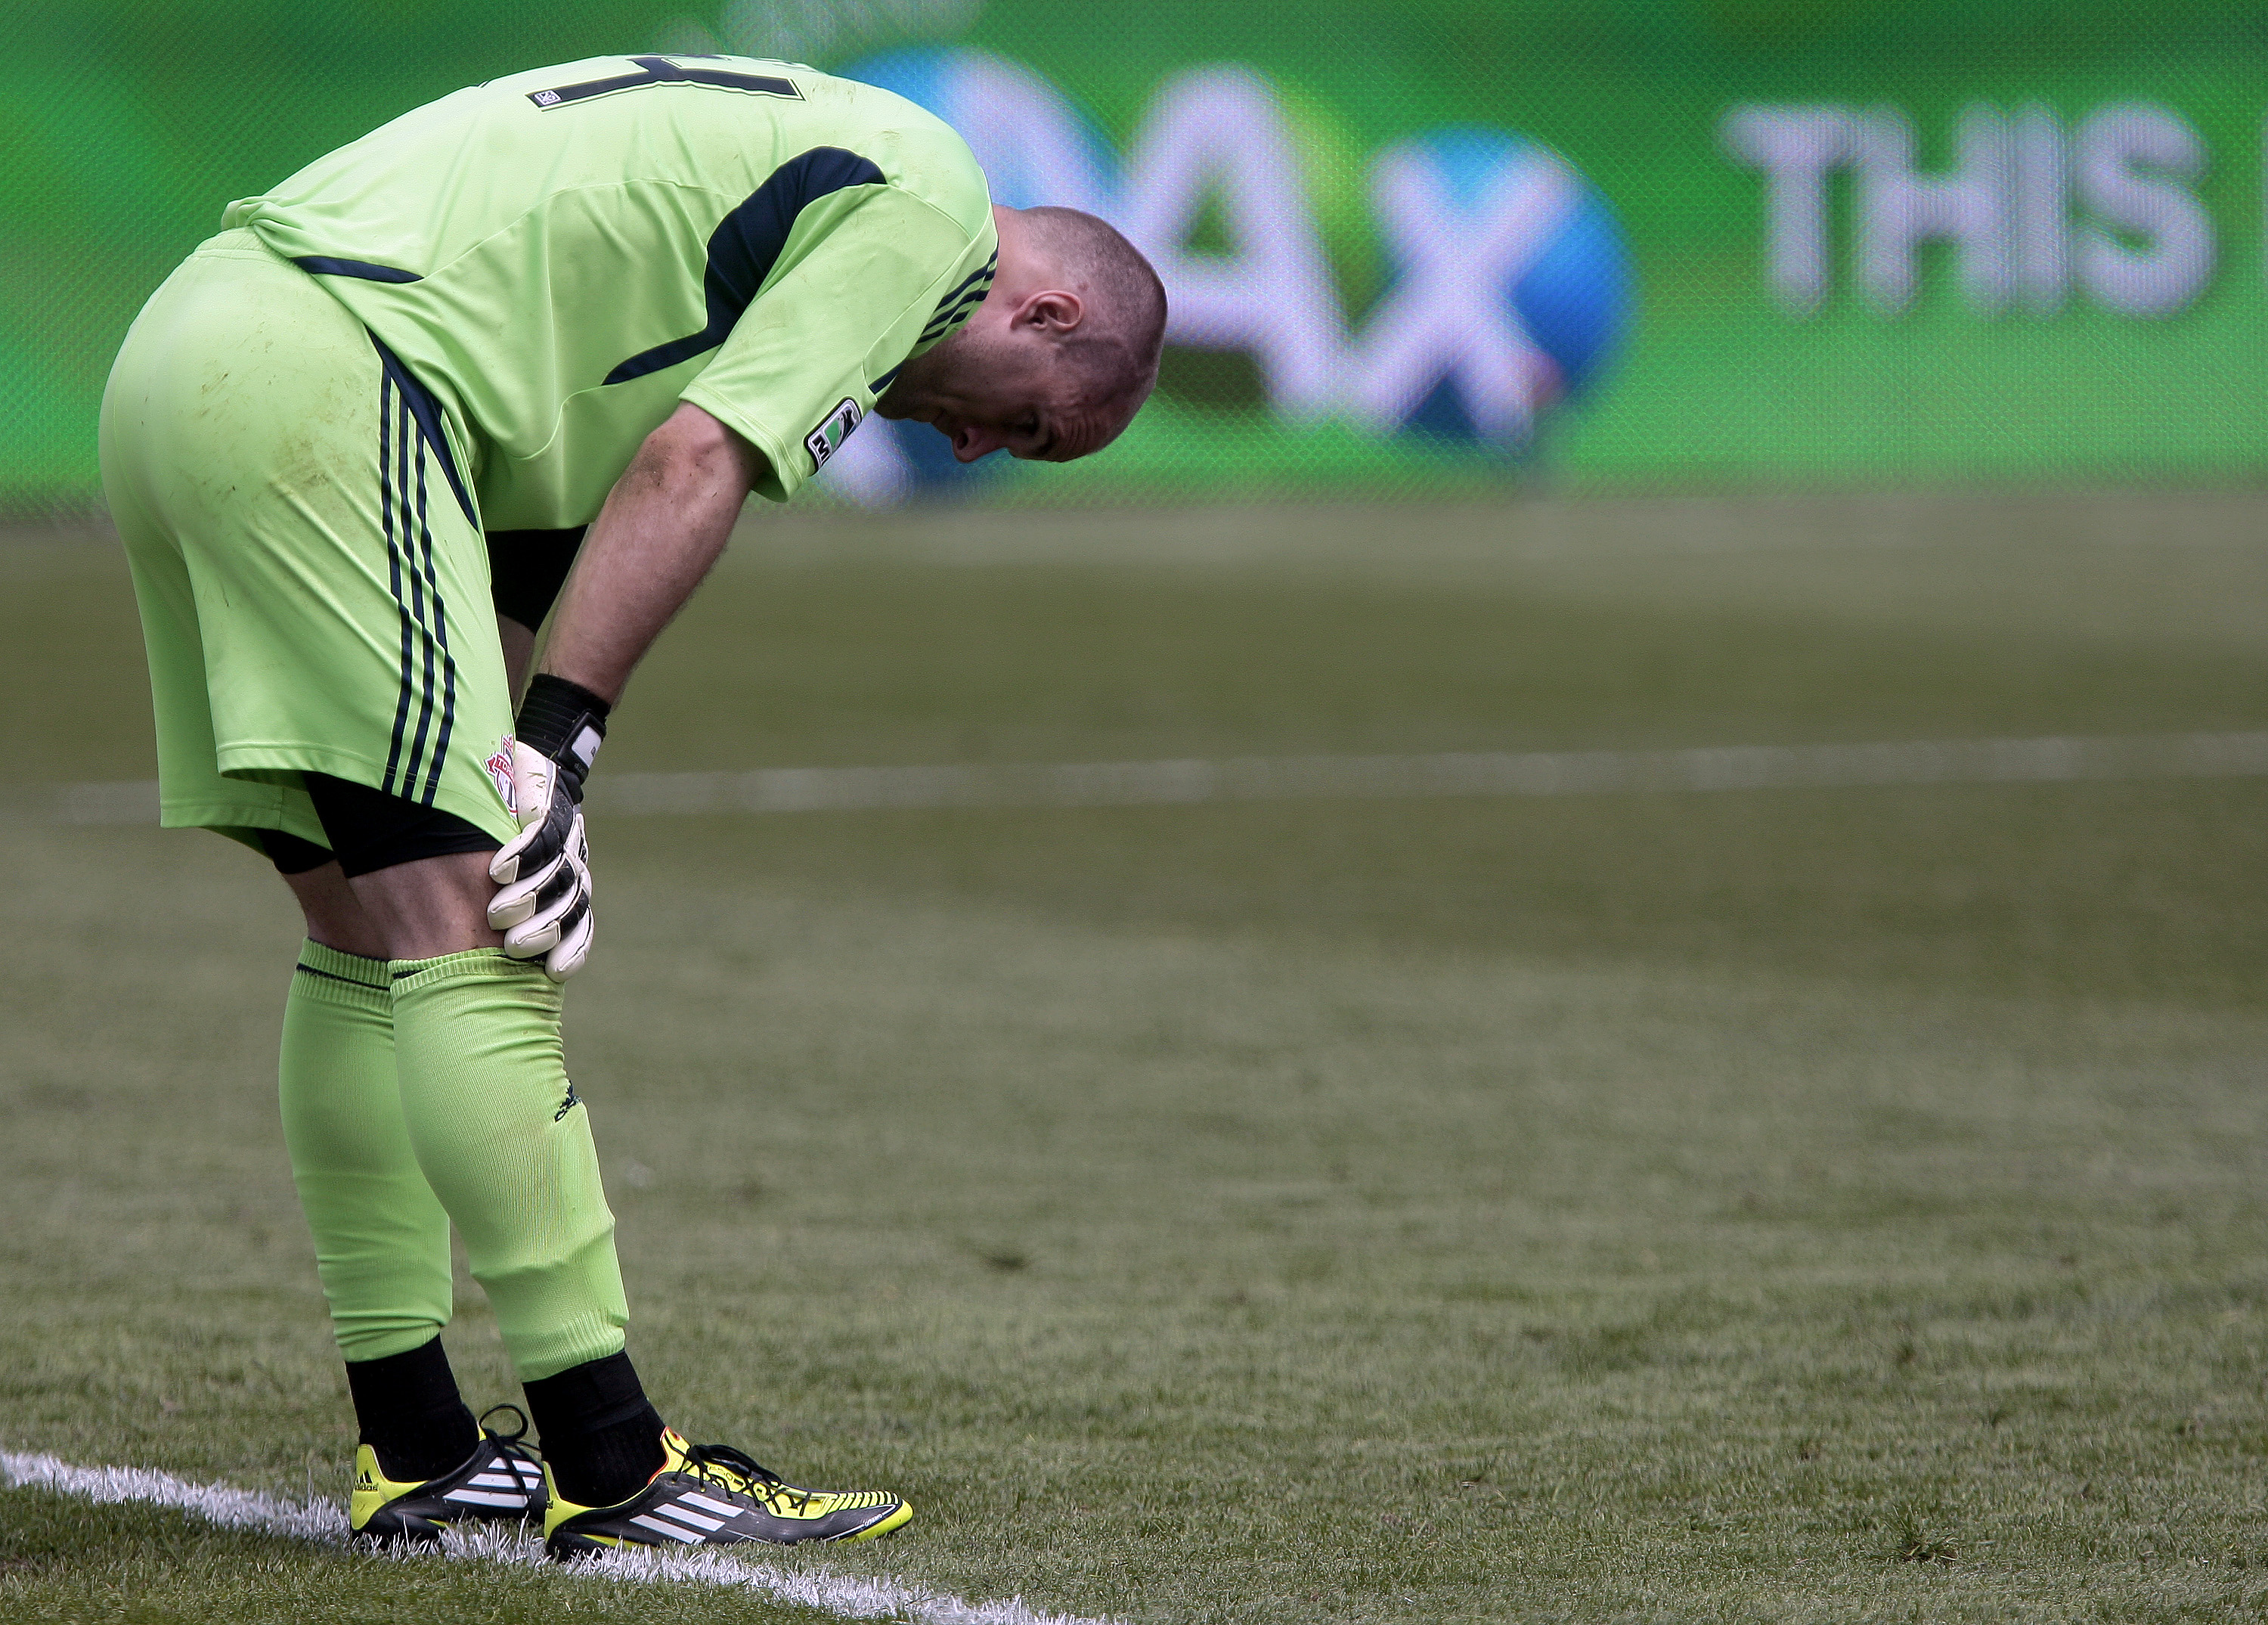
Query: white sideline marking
215, 1504
2062, 759
845, 1596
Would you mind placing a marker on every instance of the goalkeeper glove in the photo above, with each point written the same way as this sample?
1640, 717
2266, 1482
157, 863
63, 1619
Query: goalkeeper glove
543, 906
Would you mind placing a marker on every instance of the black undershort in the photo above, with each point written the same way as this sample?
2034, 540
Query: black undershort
526, 569
369, 829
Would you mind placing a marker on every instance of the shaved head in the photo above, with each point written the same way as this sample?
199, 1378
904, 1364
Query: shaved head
1119, 344
1060, 356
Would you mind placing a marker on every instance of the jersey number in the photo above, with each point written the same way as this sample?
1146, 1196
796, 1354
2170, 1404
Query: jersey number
661, 71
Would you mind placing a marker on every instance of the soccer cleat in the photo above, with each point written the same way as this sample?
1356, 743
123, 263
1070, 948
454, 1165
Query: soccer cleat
709, 1495
501, 1481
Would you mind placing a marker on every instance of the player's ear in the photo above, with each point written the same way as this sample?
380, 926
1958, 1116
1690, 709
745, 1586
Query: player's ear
1051, 310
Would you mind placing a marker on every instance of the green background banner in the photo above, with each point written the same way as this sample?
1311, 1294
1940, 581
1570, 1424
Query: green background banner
1630, 243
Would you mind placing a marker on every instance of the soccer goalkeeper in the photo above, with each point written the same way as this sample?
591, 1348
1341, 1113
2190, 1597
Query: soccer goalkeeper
352, 445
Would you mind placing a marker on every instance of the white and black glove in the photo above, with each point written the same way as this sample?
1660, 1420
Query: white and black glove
543, 904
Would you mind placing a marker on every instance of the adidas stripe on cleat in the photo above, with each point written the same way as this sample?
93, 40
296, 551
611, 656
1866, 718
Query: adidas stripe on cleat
501, 1481
709, 1495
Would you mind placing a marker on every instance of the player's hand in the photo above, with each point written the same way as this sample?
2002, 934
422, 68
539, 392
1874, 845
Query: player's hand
543, 904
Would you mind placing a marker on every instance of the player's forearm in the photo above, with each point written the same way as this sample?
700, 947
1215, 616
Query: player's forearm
663, 526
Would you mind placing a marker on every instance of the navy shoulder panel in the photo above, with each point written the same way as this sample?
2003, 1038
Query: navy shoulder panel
323, 265
748, 242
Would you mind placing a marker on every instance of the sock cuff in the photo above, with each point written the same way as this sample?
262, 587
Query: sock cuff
477, 965
585, 1339
330, 976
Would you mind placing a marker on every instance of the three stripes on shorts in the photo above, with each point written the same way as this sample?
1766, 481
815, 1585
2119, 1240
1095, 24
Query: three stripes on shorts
408, 422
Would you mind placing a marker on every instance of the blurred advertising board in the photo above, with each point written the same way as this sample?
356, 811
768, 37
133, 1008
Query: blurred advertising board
1621, 244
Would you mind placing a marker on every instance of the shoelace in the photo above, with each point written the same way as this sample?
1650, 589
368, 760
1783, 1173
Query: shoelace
513, 1447
722, 1465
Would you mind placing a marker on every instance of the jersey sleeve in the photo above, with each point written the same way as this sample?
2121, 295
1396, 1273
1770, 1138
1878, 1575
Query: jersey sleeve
883, 275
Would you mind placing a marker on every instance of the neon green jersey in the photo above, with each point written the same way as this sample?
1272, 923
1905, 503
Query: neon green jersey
561, 256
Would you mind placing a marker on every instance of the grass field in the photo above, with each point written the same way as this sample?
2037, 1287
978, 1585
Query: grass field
1790, 1205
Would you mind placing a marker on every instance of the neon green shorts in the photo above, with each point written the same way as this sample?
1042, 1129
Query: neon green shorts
307, 554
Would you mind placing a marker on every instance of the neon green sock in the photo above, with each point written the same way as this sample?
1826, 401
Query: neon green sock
381, 1238
506, 1146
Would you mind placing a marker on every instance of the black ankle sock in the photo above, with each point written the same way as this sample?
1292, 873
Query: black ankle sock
409, 1412
600, 1437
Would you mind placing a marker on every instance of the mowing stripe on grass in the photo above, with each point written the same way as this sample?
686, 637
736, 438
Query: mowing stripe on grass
845, 1596
2054, 760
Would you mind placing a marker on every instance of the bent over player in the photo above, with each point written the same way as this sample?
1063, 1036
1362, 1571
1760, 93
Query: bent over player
352, 445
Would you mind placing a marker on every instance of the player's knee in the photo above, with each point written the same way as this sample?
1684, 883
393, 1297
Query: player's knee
417, 875
335, 916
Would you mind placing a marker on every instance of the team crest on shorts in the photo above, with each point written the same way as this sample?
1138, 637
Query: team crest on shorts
824, 441
499, 766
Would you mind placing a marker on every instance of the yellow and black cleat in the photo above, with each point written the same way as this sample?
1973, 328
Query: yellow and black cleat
709, 1495
501, 1481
